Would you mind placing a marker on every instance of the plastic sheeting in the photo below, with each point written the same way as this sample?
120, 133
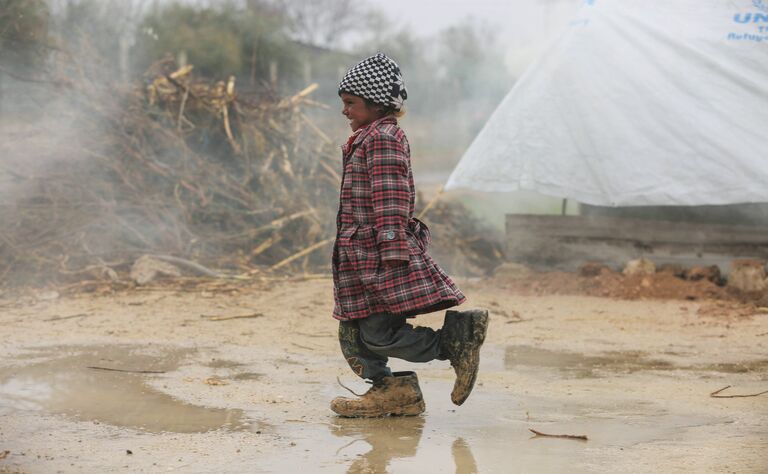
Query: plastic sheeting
638, 103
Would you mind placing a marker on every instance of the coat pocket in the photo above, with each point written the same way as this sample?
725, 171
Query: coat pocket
364, 236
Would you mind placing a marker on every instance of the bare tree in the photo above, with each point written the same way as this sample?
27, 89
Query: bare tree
325, 22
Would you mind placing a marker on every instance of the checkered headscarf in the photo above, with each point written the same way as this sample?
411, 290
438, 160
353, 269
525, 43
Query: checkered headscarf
377, 79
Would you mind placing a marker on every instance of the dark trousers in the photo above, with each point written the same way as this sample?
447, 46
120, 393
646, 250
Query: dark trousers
368, 343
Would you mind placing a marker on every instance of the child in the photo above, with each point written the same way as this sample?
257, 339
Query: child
382, 273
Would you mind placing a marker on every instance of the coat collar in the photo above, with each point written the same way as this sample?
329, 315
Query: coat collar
360, 134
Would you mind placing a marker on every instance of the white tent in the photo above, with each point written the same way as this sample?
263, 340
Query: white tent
638, 103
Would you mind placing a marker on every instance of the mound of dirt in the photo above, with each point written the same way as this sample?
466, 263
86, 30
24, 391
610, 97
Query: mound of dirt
608, 283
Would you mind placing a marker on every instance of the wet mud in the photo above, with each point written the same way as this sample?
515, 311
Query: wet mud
611, 363
107, 384
74, 382
253, 395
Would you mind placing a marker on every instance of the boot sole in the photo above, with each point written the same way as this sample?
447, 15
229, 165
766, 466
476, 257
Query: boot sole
413, 409
469, 365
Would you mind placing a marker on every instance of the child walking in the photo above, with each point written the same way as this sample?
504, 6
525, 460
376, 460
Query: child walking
382, 273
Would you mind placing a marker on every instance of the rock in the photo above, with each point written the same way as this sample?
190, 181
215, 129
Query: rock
593, 269
108, 273
147, 269
747, 275
48, 296
512, 271
640, 266
711, 273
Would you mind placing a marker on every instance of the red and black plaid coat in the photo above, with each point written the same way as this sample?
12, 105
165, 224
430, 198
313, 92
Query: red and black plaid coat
375, 224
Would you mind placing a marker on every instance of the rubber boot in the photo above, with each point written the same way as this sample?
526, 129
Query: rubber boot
462, 336
396, 395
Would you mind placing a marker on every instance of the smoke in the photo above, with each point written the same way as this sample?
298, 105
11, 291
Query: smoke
54, 116
53, 119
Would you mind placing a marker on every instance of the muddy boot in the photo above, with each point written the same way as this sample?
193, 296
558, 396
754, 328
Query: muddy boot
462, 335
396, 395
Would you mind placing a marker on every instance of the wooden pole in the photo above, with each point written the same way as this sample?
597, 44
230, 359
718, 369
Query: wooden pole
432, 202
297, 255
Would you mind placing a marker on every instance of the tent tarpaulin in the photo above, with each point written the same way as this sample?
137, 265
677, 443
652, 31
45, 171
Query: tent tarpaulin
638, 103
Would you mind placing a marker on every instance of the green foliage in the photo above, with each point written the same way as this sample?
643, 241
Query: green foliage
23, 31
229, 39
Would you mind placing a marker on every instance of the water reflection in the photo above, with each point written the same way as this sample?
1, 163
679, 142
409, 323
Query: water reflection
463, 458
390, 438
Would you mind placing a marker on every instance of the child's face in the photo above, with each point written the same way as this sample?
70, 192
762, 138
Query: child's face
357, 111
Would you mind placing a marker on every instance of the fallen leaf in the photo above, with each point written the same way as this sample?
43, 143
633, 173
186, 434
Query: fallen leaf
215, 381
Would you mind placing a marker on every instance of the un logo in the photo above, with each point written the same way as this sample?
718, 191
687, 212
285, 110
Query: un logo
760, 5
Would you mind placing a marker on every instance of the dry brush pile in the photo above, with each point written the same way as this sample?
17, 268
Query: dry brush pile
183, 167
190, 169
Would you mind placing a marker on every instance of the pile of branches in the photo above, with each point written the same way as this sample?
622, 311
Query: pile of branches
181, 166
189, 169
462, 243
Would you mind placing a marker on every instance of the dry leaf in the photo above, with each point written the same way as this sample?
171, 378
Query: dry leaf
215, 381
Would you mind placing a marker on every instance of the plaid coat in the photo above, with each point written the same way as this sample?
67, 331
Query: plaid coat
375, 224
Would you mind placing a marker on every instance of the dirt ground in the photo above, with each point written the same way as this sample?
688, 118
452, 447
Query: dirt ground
251, 394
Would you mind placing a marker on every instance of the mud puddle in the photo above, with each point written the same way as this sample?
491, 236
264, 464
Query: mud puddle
107, 384
576, 365
487, 434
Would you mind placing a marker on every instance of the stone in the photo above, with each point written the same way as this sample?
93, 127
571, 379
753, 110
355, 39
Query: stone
146, 269
747, 275
641, 266
48, 296
107, 273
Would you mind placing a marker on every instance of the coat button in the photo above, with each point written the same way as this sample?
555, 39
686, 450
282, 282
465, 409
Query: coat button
390, 235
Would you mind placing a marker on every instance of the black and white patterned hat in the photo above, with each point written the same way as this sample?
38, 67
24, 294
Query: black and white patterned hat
377, 79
